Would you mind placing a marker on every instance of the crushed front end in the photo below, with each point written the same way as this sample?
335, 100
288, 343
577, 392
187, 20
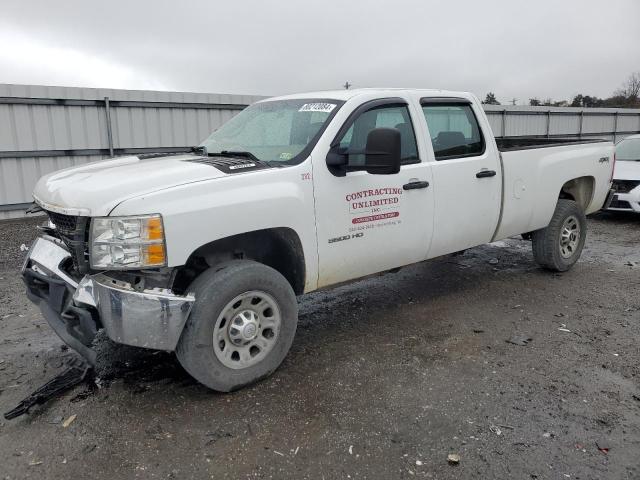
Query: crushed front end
78, 301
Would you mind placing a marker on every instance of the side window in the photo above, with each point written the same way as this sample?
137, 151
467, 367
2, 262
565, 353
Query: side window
389, 116
454, 130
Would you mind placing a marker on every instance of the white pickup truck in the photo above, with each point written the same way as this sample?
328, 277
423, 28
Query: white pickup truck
203, 253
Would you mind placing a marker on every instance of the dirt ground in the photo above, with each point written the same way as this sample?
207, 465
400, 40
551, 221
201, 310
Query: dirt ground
386, 377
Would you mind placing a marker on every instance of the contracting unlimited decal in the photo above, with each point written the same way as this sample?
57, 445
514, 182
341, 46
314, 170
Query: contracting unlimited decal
374, 205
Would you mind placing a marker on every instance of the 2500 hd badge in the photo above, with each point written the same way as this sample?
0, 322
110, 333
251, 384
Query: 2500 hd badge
346, 237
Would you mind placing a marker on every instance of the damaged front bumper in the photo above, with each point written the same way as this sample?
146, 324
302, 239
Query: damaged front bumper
76, 310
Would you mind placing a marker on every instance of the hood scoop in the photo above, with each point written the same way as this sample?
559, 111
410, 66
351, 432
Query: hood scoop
231, 165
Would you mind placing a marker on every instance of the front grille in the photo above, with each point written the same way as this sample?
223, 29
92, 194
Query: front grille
65, 224
74, 232
625, 186
620, 204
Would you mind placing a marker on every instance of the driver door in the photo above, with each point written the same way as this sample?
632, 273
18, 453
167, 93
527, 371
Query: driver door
368, 223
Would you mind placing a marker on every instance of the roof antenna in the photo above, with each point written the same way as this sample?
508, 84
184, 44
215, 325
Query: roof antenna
347, 85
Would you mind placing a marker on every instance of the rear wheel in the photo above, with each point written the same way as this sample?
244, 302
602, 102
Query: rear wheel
241, 325
558, 246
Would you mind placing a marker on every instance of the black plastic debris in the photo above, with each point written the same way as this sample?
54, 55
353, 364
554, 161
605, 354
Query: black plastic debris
76, 373
520, 340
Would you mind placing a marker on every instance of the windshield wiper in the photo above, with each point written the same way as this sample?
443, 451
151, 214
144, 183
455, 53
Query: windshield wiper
201, 149
234, 153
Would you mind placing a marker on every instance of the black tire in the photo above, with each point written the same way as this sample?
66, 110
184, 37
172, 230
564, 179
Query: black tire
547, 250
214, 289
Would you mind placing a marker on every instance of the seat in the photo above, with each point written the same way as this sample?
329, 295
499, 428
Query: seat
407, 141
449, 140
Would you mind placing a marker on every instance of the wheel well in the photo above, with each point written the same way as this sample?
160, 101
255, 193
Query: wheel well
279, 248
579, 190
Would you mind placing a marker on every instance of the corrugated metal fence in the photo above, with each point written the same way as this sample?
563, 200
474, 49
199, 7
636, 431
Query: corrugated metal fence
43, 129
611, 123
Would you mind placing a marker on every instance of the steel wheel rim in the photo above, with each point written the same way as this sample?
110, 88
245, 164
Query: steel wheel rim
569, 237
246, 330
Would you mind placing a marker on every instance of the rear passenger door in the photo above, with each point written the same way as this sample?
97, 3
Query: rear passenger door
466, 173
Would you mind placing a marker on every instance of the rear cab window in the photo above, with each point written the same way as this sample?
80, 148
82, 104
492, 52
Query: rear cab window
453, 128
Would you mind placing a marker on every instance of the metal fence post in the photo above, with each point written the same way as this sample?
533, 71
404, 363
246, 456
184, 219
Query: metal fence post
504, 123
615, 126
581, 124
548, 123
109, 132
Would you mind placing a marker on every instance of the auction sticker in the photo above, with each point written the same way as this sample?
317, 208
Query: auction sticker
317, 107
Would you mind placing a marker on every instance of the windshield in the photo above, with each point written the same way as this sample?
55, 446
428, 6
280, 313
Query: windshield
274, 131
628, 149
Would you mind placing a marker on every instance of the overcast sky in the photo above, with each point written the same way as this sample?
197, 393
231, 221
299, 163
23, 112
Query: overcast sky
515, 48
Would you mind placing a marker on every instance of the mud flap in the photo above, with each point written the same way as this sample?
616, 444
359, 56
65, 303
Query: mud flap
76, 373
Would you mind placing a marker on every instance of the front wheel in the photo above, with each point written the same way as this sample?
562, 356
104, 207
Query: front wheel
241, 326
558, 246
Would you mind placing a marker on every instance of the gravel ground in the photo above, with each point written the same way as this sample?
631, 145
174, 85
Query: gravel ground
386, 378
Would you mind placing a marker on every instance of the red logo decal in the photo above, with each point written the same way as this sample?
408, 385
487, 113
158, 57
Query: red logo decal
373, 218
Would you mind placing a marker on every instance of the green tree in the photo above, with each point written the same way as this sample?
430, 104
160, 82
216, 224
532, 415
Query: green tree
577, 101
591, 102
586, 101
534, 102
491, 99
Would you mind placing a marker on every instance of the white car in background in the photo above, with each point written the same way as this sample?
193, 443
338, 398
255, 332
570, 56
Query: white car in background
626, 177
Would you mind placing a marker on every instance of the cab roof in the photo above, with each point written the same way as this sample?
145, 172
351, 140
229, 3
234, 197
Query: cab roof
345, 95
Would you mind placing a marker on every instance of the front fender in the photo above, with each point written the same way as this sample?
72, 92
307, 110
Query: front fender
201, 212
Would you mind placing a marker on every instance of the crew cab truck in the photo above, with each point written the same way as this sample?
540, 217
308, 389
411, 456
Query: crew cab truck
203, 253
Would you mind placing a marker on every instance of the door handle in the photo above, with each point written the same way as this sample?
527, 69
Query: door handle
415, 185
486, 173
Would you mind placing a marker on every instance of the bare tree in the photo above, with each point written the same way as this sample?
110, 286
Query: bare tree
631, 88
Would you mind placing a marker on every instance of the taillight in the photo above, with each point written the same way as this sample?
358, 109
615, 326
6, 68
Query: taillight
613, 167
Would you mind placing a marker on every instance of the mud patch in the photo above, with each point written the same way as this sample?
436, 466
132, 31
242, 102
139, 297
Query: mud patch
136, 367
387, 377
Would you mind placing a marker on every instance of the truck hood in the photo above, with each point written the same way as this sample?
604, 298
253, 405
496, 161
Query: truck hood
96, 188
626, 170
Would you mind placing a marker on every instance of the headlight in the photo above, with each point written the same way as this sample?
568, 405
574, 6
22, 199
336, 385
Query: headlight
127, 242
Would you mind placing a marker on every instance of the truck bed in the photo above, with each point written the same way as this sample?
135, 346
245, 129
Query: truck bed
534, 173
509, 144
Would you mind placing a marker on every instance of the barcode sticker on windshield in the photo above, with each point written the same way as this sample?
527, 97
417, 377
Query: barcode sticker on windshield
317, 107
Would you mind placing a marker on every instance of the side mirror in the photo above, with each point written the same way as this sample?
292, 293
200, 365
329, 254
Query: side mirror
382, 154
